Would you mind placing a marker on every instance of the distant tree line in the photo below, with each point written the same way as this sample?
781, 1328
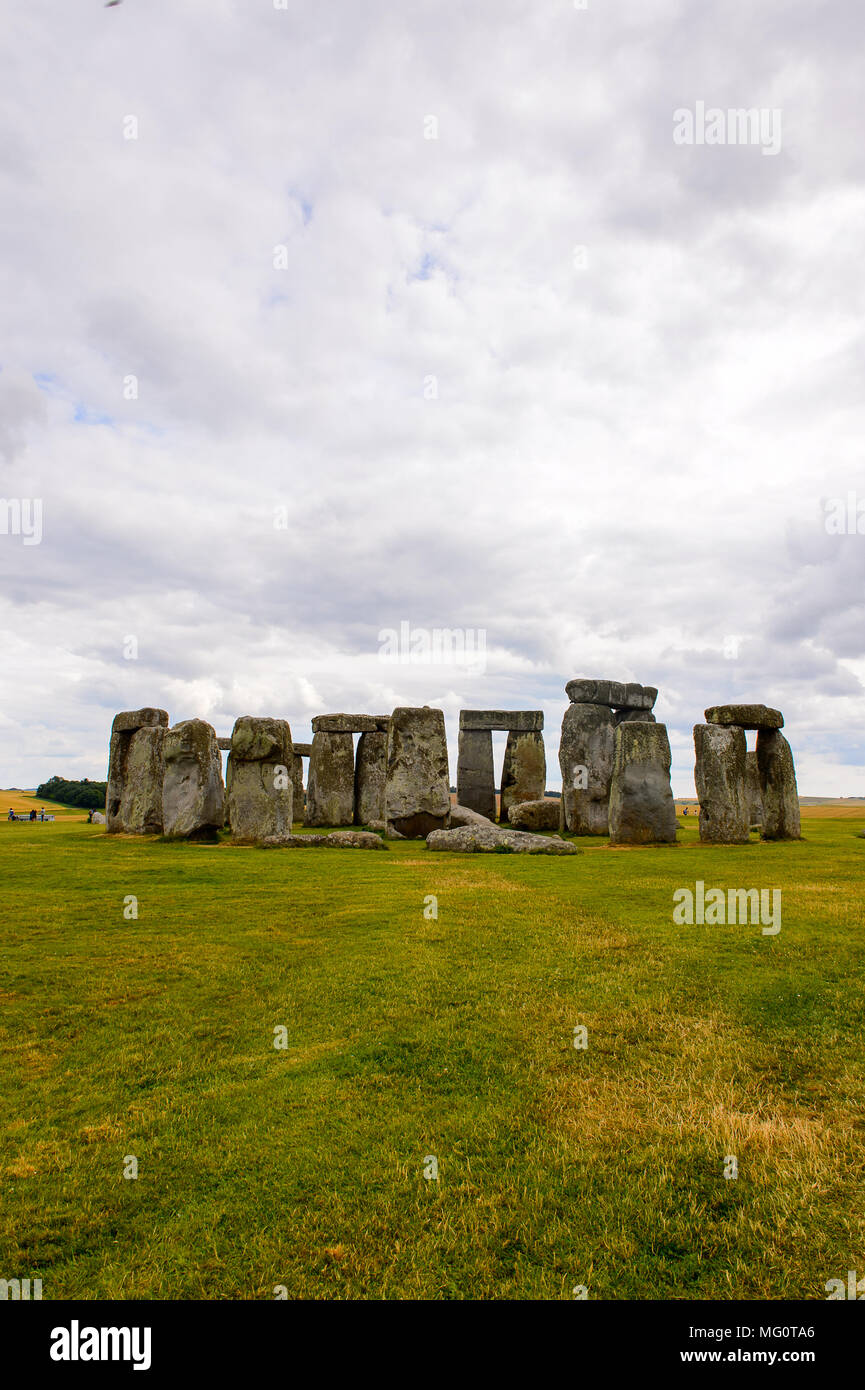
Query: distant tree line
90, 795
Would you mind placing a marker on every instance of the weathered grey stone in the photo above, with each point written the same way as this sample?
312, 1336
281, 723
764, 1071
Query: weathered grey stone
781, 816
642, 810
520, 721
543, 814
464, 815
370, 775
337, 839
193, 796
482, 839
417, 797
303, 750
128, 720
350, 723
260, 779
330, 781
586, 762
524, 771
615, 694
719, 775
753, 790
476, 786
746, 716
581, 691
634, 716
133, 797
296, 785
98, 818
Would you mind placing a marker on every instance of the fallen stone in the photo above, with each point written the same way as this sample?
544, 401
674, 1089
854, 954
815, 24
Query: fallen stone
476, 787
642, 810
543, 814
520, 721
260, 779
781, 815
586, 762
337, 839
719, 774
193, 796
746, 716
464, 815
370, 776
482, 839
524, 771
136, 768
330, 780
417, 794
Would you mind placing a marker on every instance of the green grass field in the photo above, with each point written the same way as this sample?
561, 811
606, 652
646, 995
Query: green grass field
408, 1037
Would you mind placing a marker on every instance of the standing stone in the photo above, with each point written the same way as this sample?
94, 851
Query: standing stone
133, 797
370, 776
417, 794
476, 782
780, 794
720, 778
524, 771
297, 786
752, 790
260, 780
586, 762
193, 795
642, 810
330, 781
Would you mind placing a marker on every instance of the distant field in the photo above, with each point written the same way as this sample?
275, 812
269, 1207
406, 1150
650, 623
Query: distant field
410, 1037
28, 801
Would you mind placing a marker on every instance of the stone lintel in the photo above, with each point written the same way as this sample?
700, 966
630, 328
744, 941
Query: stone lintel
518, 721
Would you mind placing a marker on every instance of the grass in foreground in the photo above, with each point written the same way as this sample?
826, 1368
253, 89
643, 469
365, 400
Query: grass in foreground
408, 1037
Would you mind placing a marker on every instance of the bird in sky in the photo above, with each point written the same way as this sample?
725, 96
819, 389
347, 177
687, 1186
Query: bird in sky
109, 3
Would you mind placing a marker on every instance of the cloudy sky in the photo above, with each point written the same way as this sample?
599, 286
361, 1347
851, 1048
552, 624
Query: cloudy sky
318, 320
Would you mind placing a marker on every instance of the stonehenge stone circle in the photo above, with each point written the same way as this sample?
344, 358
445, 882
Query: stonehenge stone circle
476, 783
720, 776
193, 796
260, 779
417, 793
642, 810
586, 762
133, 797
781, 818
370, 775
746, 716
330, 781
524, 771
542, 814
